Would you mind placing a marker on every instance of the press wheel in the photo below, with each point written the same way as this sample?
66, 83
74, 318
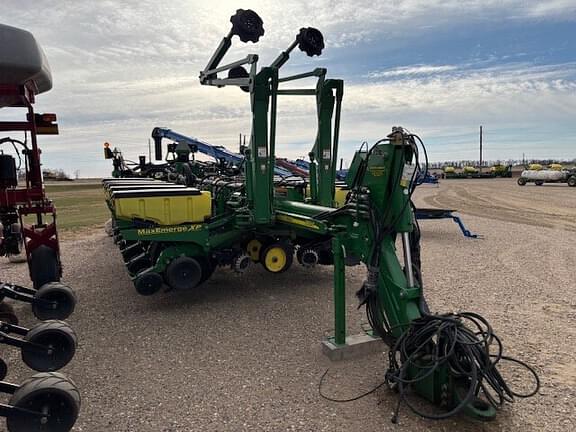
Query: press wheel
60, 342
183, 273
62, 298
148, 283
49, 393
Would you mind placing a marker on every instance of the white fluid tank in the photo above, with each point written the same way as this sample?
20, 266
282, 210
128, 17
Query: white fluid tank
544, 175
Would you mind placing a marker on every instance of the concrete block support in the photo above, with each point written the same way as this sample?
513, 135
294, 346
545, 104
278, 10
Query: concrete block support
355, 346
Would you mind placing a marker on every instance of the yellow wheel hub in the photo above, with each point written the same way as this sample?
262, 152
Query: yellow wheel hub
275, 259
253, 248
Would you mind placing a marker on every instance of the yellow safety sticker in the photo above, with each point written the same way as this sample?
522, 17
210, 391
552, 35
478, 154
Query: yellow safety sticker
407, 174
377, 171
296, 221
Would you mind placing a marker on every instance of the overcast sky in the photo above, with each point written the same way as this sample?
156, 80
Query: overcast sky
440, 68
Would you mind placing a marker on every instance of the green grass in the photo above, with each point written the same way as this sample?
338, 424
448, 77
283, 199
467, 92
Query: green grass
72, 187
78, 205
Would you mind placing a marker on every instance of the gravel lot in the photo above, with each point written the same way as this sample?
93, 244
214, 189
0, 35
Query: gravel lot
243, 353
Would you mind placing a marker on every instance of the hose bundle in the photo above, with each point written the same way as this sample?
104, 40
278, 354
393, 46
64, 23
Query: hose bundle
465, 344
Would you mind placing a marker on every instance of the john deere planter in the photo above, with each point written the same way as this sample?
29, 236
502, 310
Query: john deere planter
177, 235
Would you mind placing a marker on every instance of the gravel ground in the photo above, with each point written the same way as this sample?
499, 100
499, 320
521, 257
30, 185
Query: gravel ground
243, 353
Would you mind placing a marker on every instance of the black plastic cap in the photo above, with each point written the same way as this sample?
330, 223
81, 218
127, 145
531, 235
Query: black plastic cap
311, 41
239, 72
247, 25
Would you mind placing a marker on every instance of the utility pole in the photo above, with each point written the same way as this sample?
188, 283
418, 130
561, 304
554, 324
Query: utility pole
480, 148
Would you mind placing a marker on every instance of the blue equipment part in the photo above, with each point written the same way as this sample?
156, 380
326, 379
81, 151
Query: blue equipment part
305, 165
301, 163
217, 152
341, 174
428, 213
465, 231
426, 179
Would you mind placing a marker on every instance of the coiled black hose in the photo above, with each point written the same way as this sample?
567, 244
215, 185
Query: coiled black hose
464, 343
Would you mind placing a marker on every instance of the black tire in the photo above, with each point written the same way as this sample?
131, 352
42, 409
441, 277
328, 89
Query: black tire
521, 181
571, 181
7, 314
3, 370
18, 256
49, 392
538, 182
148, 283
307, 257
208, 268
44, 266
183, 273
58, 337
62, 295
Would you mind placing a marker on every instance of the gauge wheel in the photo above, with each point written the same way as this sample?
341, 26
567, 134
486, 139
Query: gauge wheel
253, 248
61, 297
277, 257
183, 273
60, 342
148, 283
51, 394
